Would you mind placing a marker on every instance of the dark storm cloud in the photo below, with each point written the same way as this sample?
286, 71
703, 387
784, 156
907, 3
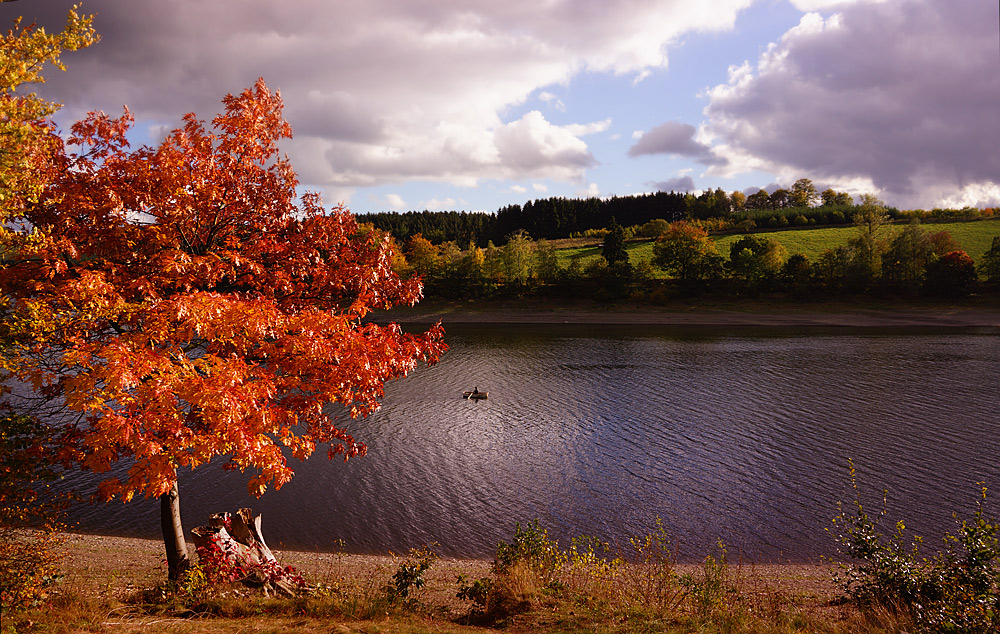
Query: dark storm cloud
679, 184
906, 94
674, 138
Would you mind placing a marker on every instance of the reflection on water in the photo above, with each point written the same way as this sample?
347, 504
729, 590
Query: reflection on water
740, 436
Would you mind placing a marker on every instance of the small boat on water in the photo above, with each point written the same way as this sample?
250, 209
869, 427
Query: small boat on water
475, 394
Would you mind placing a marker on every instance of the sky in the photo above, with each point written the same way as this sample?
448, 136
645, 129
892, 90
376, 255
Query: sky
472, 105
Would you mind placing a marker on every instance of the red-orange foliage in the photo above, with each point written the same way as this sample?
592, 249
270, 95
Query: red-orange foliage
203, 308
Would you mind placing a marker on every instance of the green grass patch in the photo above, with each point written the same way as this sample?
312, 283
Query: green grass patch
975, 237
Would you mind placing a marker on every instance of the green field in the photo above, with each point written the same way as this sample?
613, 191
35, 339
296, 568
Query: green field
975, 237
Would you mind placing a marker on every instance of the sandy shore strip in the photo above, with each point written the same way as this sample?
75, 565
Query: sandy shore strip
122, 565
749, 315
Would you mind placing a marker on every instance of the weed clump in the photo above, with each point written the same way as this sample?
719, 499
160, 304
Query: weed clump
640, 585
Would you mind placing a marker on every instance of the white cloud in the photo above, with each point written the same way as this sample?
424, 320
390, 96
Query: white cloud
540, 187
819, 5
592, 191
552, 100
902, 95
394, 202
435, 204
518, 189
384, 90
532, 145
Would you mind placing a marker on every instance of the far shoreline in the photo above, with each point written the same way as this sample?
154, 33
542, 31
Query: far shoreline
748, 314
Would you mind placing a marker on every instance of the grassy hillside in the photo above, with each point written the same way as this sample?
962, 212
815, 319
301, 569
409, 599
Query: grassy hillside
975, 237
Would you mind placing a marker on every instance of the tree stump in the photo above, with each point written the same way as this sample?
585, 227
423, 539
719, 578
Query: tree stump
232, 548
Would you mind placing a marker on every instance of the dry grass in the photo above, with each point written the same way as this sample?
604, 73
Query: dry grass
116, 585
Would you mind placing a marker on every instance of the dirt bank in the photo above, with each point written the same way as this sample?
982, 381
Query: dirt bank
748, 314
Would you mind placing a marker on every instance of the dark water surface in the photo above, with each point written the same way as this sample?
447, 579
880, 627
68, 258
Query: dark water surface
738, 435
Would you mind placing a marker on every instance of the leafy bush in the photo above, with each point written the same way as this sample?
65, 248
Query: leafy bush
410, 574
957, 590
952, 275
30, 517
521, 568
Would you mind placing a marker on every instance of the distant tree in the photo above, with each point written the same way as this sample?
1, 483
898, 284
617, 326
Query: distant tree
653, 229
493, 262
546, 263
423, 256
760, 200
686, 252
613, 250
905, 261
952, 275
989, 264
872, 219
803, 193
737, 200
797, 275
942, 243
872, 216
721, 205
517, 257
756, 261
781, 199
832, 198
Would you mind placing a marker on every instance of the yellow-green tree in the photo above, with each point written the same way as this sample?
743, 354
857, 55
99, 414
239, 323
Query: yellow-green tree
28, 145
27, 139
686, 252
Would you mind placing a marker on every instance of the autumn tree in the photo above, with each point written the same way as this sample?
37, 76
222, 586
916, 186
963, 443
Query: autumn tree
204, 308
737, 199
951, 275
424, 257
686, 252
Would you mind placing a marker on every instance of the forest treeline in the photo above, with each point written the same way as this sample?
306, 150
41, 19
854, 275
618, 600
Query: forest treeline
548, 218
555, 218
886, 256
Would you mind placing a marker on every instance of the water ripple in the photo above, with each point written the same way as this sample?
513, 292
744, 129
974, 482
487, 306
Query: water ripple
599, 431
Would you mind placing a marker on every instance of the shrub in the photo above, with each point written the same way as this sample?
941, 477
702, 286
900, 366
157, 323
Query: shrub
958, 590
410, 574
521, 568
30, 517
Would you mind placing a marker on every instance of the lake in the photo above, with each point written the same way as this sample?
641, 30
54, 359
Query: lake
738, 435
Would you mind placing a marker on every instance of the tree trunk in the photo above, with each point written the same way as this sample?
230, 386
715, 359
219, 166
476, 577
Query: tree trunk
173, 533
